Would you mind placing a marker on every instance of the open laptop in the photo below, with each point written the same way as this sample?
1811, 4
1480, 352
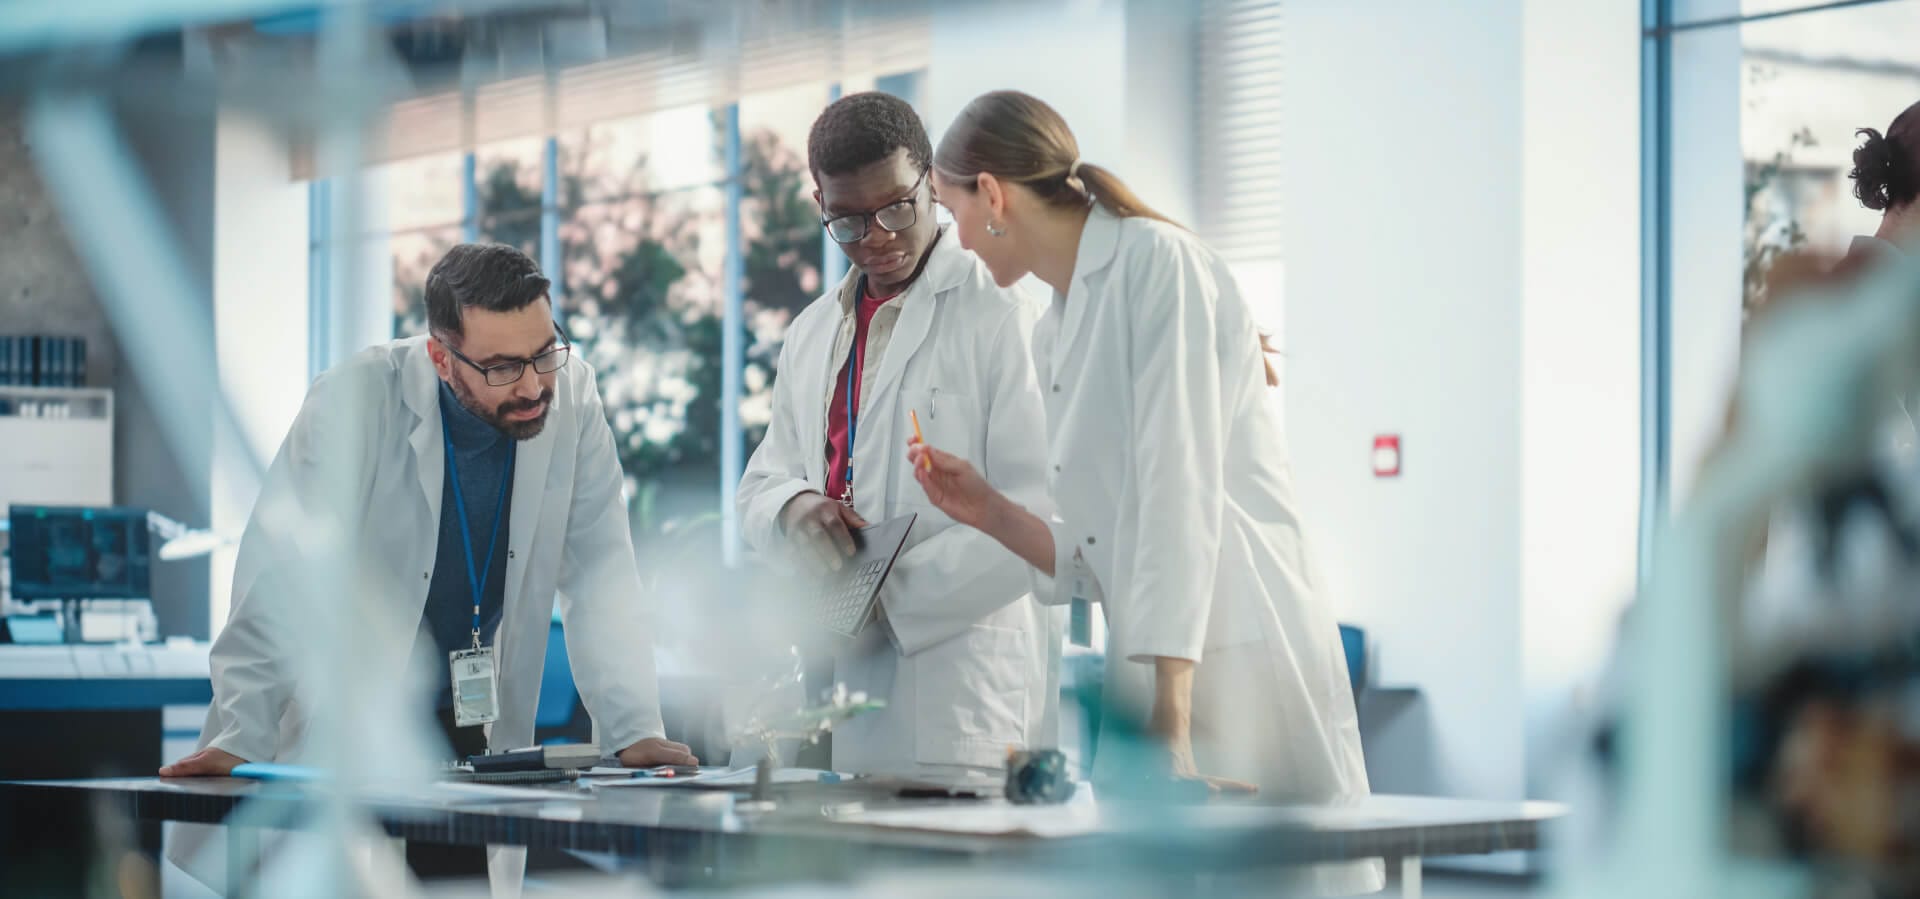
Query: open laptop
843, 601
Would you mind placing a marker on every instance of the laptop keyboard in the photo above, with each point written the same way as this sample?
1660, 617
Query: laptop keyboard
843, 604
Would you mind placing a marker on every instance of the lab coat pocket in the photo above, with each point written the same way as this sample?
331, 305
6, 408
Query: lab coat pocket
973, 693
948, 420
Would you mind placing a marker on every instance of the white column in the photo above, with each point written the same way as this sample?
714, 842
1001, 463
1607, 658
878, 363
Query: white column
260, 319
1580, 339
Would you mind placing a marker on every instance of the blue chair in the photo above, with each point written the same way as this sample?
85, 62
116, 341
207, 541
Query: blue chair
557, 694
1354, 641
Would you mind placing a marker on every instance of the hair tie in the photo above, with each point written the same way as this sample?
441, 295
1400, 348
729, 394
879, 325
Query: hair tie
1073, 180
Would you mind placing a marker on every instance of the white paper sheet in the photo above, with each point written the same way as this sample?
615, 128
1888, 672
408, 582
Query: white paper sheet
995, 818
454, 793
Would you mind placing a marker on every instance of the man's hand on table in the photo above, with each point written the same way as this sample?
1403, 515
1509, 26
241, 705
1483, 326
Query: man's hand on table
653, 752
205, 763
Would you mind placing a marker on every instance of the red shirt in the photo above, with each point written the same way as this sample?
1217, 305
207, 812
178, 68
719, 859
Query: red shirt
837, 411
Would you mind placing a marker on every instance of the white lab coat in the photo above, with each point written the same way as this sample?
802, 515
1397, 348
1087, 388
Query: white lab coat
1176, 512
966, 660
567, 535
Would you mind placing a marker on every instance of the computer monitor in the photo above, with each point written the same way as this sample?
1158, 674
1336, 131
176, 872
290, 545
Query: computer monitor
70, 552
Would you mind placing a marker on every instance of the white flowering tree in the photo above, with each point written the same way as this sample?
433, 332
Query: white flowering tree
642, 301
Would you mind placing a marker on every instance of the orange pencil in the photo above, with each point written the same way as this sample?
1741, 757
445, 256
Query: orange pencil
915, 415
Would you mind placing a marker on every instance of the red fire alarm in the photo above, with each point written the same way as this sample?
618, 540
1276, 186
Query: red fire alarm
1386, 456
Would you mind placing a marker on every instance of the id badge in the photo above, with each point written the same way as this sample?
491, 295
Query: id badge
476, 697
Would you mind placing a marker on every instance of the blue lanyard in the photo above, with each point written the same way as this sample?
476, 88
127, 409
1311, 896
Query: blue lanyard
475, 580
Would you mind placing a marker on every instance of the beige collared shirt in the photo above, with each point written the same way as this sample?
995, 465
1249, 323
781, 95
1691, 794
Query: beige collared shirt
879, 334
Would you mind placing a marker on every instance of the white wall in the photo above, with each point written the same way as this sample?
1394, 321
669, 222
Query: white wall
1119, 71
260, 319
1462, 269
1011, 45
1580, 402
1403, 315
1160, 83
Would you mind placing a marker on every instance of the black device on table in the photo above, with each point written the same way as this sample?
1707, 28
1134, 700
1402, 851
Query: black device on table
538, 758
843, 602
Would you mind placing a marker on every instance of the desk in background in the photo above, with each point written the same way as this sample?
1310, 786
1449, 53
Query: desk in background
99, 710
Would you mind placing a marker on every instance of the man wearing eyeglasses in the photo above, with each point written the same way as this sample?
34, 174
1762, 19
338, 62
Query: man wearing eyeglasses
482, 481
964, 658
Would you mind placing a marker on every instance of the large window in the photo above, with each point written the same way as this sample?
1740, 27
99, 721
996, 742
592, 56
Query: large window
1808, 82
1752, 108
634, 229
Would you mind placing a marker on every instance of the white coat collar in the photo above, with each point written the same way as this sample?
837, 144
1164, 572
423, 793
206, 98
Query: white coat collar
1099, 243
947, 267
1099, 246
420, 390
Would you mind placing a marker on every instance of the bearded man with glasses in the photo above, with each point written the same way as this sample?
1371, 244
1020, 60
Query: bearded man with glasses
465, 479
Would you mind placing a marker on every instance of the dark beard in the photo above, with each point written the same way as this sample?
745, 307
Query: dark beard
518, 430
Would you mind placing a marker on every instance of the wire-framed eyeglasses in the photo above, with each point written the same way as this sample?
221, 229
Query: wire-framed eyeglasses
500, 374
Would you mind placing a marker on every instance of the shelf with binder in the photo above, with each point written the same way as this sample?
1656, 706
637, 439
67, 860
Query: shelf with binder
42, 360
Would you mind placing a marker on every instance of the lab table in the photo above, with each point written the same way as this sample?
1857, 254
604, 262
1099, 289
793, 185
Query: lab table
688, 837
93, 710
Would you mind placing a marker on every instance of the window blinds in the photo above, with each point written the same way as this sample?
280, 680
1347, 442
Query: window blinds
1239, 63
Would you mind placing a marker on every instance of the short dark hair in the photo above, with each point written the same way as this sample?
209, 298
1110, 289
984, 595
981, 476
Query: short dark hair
1886, 168
861, 129
494, 277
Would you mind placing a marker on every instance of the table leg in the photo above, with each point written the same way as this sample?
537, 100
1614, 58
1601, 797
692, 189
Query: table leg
1410, 877
243, 851
396, 857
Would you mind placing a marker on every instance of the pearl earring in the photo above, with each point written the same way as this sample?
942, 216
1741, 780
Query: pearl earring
996, 230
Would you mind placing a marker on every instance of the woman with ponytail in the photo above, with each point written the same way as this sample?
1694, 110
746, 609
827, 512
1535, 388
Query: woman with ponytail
1175, 507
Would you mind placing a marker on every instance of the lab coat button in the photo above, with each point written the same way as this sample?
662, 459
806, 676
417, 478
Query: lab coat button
1056, 469
1089, 541
1056, 388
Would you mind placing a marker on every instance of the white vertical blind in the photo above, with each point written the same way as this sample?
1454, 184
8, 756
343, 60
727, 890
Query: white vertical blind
709, 61
1239, 133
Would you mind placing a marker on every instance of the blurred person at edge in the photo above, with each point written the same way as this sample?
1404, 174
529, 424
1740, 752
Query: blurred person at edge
1832, 742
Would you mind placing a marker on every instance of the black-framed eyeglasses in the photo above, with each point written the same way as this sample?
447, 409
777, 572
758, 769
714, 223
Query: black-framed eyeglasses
500, 374
898, 215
